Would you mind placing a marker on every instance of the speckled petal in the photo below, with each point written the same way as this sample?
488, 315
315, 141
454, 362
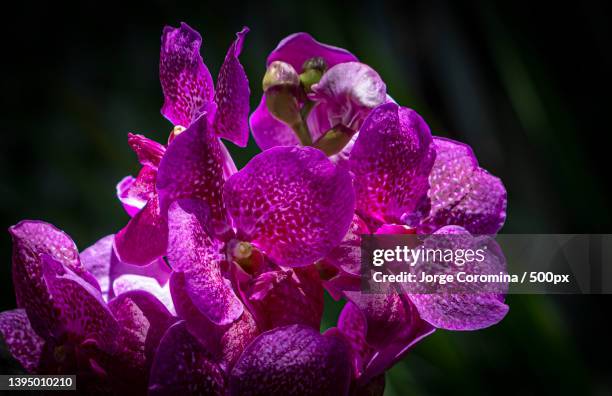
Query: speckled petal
185, 80
286, 297
293, 360
462, 306
393, 327
232, 96
102, 262
292, 202
462, 193
144, 320
347, 255
225, 342
182, 366
149, 152
81, 312
195, 253
350, 90
194, 167
391, 161
267, 131
21, 340
299, 47
145, 238
134, 193
130, 282
31, 239
353, 325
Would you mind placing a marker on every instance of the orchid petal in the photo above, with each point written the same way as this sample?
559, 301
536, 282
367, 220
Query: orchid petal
144, 320
293, 360
225, 342
462, 193
349, 91
134, 193
393, 327
291, 202
81, 312
462, 306
149, 152
391, 161
185, 80
193, 251
145, 238
281, 298
102, 262
347, 255
130, 282
183, 366
31, 239
299, 47
193, 167
21, 340
232, 96
269, 132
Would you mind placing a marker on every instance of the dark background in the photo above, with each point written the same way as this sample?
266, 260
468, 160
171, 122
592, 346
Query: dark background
526, 85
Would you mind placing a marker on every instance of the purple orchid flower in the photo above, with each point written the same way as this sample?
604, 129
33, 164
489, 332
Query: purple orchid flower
237, 307
191, 103
314, 94
63, 324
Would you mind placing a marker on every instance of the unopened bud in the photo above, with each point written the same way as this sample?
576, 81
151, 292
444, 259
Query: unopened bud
280, 74
313, 70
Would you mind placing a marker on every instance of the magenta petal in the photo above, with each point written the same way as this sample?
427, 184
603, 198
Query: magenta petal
149, 152
194, 166
267, 131
127, 283
225, 342
144, 321
102, 262
293, 360
462, 193
393, 327
347, 255
21, 340
185, 80
232, 96
81, 312
135, 193
285, 297
194, 252
292, 202
145, 238
463, 306
182, 366
353, 325
298, 47
391, 161
31, 239
349, 91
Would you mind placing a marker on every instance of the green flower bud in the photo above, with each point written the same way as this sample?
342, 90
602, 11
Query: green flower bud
313, 70
280, 74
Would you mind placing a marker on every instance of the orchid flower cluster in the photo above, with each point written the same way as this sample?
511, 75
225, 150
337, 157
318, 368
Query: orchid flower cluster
216, 284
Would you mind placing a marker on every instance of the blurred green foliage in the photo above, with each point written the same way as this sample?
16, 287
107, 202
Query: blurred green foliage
526, 89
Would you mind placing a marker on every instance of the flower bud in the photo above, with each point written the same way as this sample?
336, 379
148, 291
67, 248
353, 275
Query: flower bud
313, 70
280, 74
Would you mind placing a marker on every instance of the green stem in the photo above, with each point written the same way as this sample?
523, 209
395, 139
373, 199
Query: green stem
302, 132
